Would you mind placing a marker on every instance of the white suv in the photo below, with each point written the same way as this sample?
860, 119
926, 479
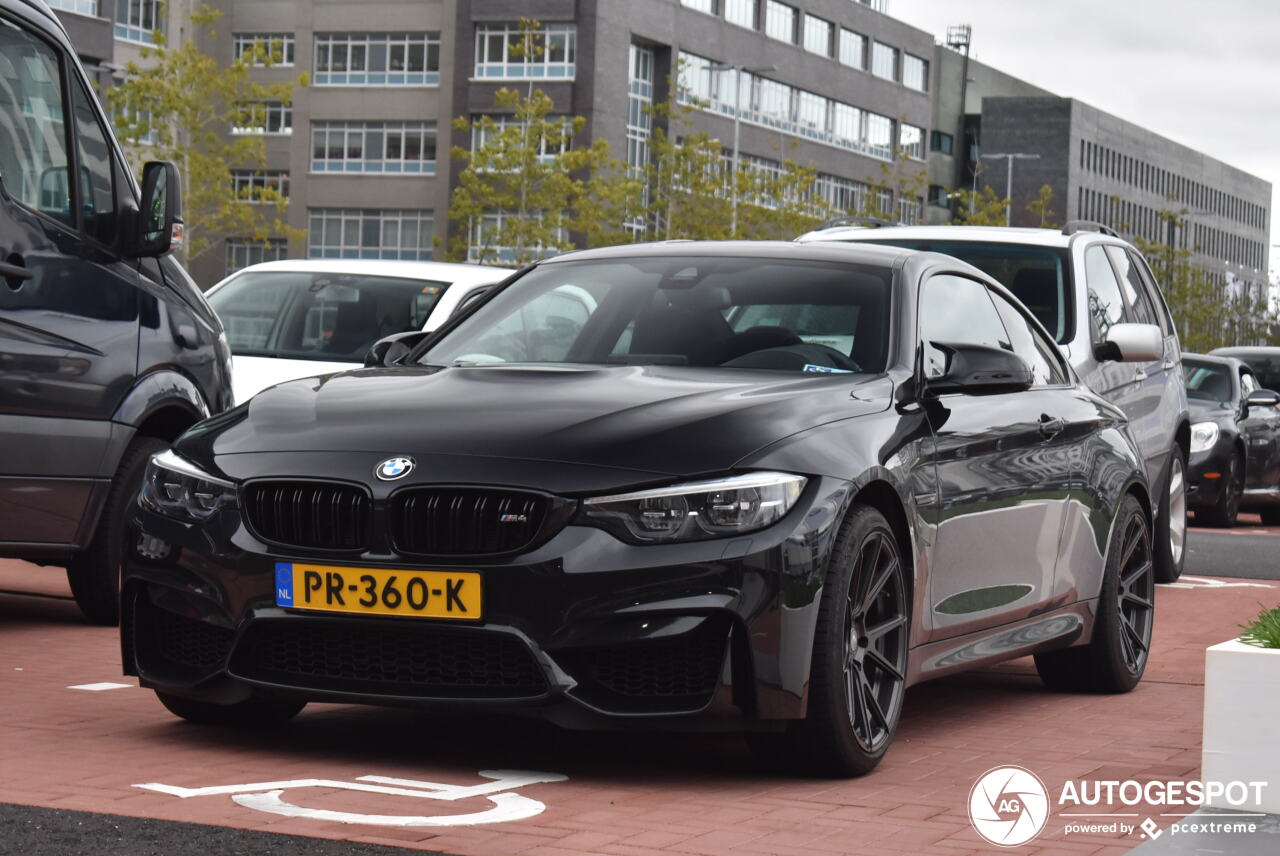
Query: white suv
1096, 296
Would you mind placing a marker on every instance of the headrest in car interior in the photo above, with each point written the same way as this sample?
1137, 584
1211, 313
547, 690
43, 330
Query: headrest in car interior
711, 299
1036, 286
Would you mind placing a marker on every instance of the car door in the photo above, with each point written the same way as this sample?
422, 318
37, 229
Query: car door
68, 305
1136, 388
1260, 427
1001, 472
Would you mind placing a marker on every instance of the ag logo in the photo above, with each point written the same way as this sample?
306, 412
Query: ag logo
393, 468
1008, 806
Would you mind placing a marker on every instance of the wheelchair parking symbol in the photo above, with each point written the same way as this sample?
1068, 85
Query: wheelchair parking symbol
268, 796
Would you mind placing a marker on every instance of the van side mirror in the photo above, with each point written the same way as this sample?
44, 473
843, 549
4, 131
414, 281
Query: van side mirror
1131, 343
390, 350
160, 228
979, 369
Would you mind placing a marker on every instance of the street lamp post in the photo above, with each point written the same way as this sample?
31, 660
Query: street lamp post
737, 125
1010, 157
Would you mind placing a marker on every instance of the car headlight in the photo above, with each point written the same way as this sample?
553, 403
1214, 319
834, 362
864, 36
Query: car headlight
1203, 436
175, 487
696, 511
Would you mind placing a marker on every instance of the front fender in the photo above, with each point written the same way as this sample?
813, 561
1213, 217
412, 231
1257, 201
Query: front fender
157, 390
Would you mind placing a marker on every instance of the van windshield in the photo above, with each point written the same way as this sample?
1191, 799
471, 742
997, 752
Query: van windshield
320, 316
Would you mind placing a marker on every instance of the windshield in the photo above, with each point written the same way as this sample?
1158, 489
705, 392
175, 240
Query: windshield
1035, 275
799, 316
1207, 381
320, 316
1266, 367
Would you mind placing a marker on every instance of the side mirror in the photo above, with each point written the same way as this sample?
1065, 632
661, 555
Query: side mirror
1262, 398
979, 369
1132, 343
390, 350
160, 228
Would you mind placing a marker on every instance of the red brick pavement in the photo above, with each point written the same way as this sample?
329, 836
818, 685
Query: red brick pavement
627, 795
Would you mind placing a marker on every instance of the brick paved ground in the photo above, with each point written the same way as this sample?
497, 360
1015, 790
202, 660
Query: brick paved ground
627, 795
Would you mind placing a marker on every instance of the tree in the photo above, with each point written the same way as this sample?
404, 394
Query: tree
901, 183
1040, 207
180, 104
983, 208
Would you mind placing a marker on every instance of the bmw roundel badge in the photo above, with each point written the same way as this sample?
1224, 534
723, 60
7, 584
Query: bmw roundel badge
394, 468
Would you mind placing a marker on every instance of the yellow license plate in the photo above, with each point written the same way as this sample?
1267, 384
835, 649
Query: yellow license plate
379, 591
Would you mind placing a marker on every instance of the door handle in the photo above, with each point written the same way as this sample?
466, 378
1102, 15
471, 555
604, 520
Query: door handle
1051, 426
8, 270
1139, 376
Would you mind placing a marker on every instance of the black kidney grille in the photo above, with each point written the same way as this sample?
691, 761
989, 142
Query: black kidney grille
389, 658
448, 521
323, 515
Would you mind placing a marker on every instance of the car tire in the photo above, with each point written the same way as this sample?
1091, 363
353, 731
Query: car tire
1114, 659
1170, 537
95, 572
1223, 515
858, 673
253, 712
1270, 516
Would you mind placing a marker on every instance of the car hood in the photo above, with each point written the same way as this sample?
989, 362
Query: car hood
655, 419
252, 374
1204, 411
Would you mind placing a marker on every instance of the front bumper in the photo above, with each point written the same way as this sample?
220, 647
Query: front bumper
1204, 491
585, 630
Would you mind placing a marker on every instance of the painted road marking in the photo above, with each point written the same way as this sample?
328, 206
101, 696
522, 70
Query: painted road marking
1207, 582
266, 796
99, 687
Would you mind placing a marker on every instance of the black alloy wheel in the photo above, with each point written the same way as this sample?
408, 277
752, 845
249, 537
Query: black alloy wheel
858, 673
1116, 655
1224, 514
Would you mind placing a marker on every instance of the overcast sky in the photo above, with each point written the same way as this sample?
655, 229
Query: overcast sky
1205, 73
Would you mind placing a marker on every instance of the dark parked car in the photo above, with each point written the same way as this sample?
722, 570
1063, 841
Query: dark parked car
1235, 441
107, 349
762, 486
1264, 361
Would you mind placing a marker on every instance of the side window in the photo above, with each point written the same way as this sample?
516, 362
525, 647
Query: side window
1135, 290
1106, 305
956, 309
1036, 351
1153, 292
1248, 384
97, 187
33, 153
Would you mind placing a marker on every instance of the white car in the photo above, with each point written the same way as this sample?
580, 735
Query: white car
297, 318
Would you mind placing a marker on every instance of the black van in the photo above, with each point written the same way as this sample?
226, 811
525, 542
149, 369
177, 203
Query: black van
108, 351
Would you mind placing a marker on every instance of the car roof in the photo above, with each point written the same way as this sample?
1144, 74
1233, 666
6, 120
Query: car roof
1216, 359
988, 234
780, 250
1247, 351
42, 9
447, 271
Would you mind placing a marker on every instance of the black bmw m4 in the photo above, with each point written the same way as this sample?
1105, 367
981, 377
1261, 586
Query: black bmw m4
752, 486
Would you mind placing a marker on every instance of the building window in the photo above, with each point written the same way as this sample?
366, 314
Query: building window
707, 6
265, 117
486, 234
741, 12
878, 135
817, 35
639, 122
377, 59
385, 148
942, 143
257, 186
242, 252
938, 196
355, 233
481, 135
910, 211
853, 49
80, 7
780, 21
138, 20
259, 47
911, 141
502, 52
884, 61
842, 194
915, 73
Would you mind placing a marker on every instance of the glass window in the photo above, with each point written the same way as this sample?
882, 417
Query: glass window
1106, 303
257, 186
138, 20
96, 176
817, 35
1207, 381
941, 143
707, 6
358, 233
1135, 294
380, 148
320, 316
264, 117
1153, 292
911, 141
915, 73
33, 155
1036, 351
504, 51
1248, 384
741, 12
955, 309
261, 49
80, 7
780, 21
697, 311
377, 59
853, 48
242, 252
884, 61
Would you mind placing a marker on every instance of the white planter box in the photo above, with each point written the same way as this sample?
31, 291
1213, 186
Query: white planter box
1242, 721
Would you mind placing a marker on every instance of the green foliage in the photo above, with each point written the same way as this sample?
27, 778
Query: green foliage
984, 208
901, 179
180, 104
1263, 631
1040, 207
